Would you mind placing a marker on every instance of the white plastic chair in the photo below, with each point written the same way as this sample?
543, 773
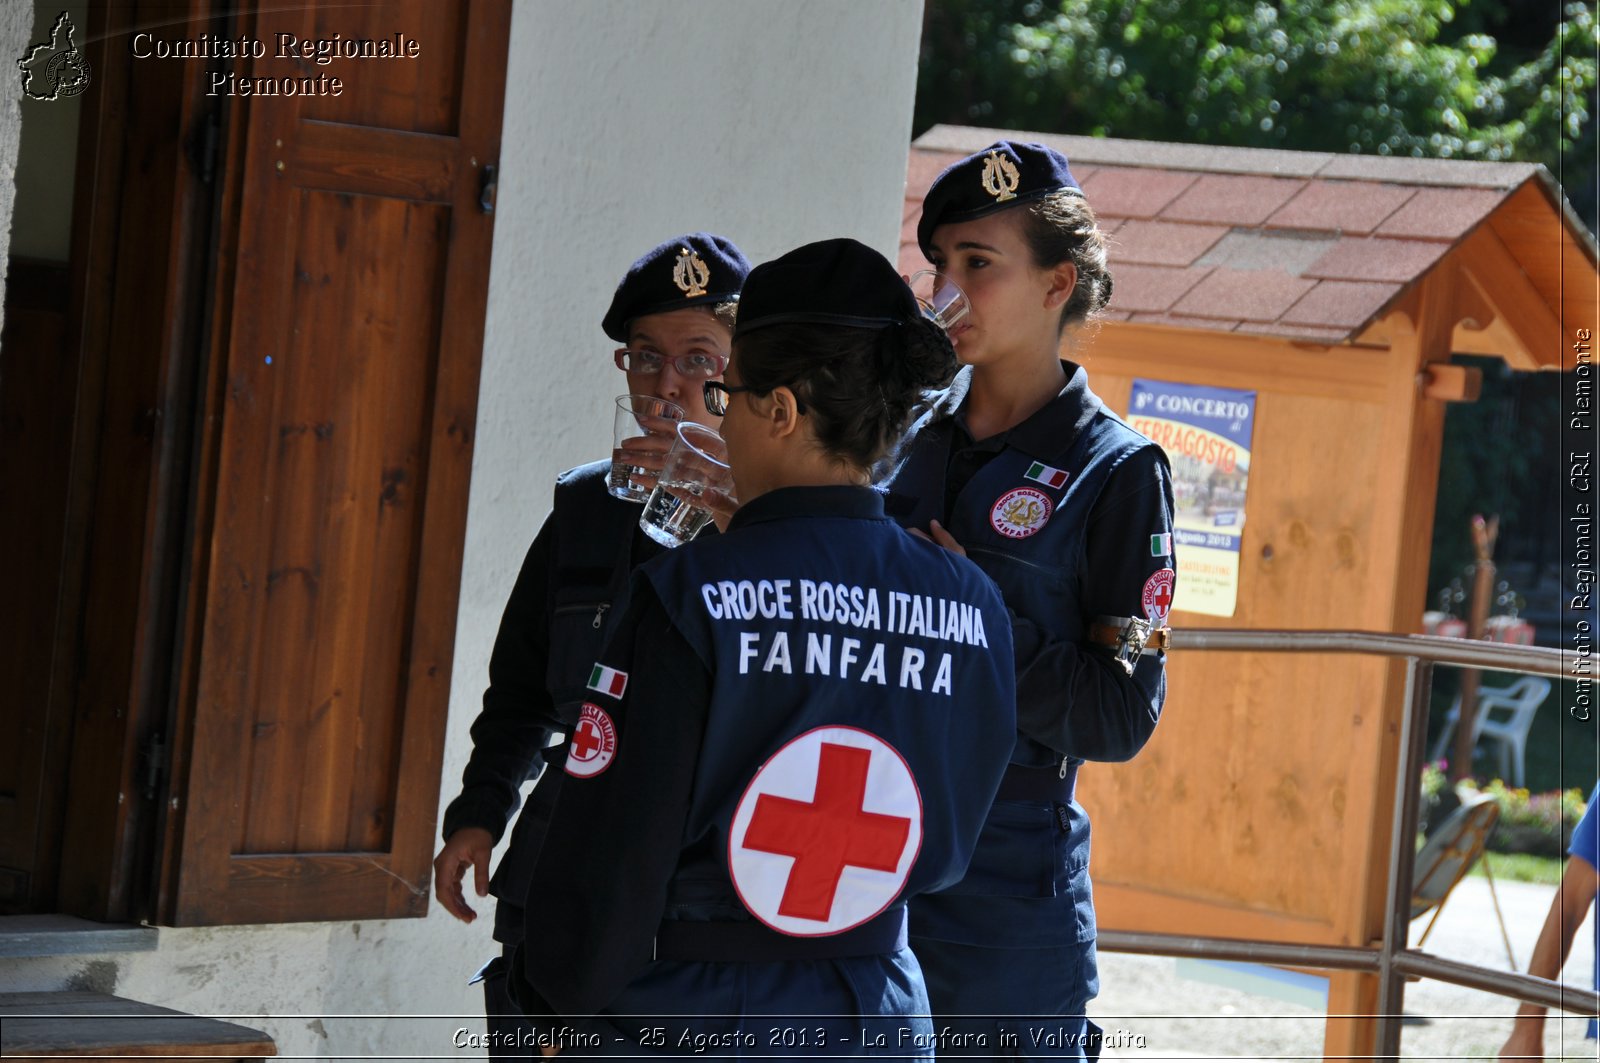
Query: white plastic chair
1521, 699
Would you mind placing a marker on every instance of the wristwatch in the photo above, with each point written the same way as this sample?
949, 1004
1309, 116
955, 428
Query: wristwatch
1128, 637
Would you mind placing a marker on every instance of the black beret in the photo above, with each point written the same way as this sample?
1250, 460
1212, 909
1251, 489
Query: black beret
690, 271
1000, 176
832, 282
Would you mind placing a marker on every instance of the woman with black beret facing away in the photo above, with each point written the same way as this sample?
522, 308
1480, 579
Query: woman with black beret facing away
1019, 467
805, 721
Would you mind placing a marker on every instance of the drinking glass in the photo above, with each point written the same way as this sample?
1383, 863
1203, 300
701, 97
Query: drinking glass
939, 298
638, 416
696, 464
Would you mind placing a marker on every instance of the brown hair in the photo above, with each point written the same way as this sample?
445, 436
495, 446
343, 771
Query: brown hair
1062, 227
859, 385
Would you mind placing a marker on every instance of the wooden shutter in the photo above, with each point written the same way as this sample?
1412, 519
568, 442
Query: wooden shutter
334, 479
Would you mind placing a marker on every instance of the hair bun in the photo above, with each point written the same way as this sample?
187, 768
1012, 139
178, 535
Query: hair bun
925, 357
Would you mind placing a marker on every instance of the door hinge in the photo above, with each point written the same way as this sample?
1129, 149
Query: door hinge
488, 184
153, 760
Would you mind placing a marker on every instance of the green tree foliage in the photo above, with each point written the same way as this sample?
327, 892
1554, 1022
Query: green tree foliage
1386, 77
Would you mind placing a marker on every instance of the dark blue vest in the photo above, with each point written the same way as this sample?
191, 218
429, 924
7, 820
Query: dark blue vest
814, 611
1023, 518
1025, 533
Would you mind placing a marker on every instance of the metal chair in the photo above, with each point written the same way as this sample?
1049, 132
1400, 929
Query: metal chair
1522, 699
1446, 857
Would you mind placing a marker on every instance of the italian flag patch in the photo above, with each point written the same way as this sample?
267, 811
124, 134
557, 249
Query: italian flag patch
1039, 472
1161, 545
608, 681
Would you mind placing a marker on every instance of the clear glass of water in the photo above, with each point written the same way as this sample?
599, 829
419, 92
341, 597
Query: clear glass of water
638, 416
939, 298
696, 464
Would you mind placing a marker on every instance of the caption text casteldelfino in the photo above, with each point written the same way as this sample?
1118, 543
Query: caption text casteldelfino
321, 50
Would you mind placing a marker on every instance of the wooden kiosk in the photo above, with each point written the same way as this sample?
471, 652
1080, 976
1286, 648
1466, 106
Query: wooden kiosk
1336, 288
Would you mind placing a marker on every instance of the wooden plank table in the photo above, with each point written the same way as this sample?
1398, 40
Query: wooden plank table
98, 1024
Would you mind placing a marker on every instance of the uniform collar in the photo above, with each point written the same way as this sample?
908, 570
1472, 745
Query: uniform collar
1050, 431
861, 503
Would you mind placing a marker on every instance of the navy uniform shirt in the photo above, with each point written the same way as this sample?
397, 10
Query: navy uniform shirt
1070, 512
802, 722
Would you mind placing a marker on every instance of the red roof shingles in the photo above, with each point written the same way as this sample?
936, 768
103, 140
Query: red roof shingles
1289, 244
1160, 243
1120, 192
1377, 259
1341, 206
1445, 213
1243, 295
1339, 304
1232, 199
1152, 288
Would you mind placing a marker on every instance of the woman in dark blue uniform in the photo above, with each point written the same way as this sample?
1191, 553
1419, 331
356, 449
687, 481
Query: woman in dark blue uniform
799, 723
1019, 466
673, 313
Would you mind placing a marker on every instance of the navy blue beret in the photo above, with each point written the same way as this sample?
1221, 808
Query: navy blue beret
832, 282
1000, 176
692, 270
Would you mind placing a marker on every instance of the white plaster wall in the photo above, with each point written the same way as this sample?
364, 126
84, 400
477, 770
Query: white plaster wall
42, 228
16, 26
773, 122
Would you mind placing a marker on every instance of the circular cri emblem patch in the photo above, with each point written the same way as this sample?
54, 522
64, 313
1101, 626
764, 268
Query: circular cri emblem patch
1020, 512
1158, 595
593, 743
826, 833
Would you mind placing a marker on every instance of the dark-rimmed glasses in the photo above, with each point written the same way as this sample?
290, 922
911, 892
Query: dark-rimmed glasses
717, 395
697, 366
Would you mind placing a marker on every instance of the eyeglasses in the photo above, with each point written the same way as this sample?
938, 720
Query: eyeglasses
697, 366
717, 394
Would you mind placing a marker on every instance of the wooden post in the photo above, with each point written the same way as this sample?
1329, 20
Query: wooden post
1484, 534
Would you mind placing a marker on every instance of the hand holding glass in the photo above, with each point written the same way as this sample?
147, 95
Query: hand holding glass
696, 465
641, 436
939, 298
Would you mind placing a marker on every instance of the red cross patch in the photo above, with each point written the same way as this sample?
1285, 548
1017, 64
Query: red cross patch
1158, 595
593, 743
826, 833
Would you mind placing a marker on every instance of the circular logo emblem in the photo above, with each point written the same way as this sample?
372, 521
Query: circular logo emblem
826, 833
1158, 595
67, 74
593, 743
1020, 512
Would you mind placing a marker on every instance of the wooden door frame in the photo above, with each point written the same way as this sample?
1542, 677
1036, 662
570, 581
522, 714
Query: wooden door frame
144, 209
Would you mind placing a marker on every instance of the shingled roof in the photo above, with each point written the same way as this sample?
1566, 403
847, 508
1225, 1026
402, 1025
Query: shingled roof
1308, 245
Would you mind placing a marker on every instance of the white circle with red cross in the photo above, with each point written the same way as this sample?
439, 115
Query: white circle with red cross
826, 833
1158, 594
593, 743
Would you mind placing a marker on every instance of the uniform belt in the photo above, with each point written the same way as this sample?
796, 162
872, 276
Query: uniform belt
1021, 783
751, 942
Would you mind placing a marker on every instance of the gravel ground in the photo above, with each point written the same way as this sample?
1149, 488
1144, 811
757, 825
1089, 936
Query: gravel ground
1163, 1015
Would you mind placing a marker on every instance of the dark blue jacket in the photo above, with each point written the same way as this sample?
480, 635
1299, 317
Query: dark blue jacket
781, 685
1070, 513
567, 597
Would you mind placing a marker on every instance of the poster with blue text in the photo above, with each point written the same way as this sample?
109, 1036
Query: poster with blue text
1206, 434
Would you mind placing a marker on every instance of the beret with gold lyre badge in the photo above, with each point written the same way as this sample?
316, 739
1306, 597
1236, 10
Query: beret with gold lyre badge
1002, 175
692, 270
